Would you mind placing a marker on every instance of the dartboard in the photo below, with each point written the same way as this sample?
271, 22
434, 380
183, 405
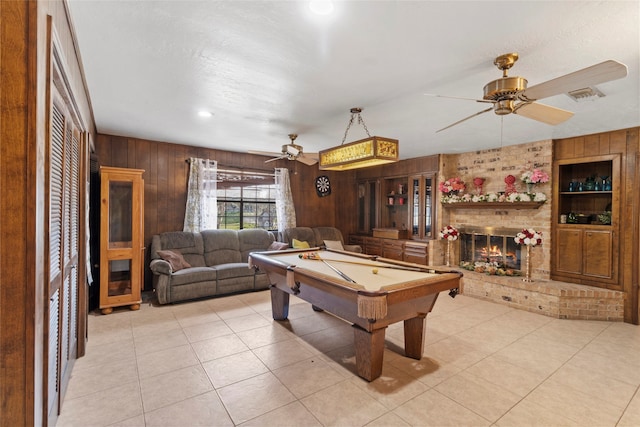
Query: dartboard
323, 186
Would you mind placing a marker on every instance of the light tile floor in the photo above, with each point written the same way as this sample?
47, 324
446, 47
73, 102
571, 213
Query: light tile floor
225, 362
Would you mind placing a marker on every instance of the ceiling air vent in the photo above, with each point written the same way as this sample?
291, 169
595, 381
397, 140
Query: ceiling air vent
585, 94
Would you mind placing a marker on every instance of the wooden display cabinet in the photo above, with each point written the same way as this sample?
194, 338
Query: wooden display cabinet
368, 209
421, 206
395, 212
121, 238
584, 245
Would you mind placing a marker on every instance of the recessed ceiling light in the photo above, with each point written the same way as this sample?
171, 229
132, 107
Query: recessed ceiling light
321, 7
205, 113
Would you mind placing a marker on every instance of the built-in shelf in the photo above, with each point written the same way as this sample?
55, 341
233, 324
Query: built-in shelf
583, 193
493, 205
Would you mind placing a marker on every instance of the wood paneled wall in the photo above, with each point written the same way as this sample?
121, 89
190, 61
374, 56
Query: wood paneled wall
24, 46
166, 175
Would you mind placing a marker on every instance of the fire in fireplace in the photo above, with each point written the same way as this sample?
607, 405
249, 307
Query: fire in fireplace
490, 244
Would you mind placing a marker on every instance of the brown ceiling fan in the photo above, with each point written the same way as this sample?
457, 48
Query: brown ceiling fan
290, 151
511, 95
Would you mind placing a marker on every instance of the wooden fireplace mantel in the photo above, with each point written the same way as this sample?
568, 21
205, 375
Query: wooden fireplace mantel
493, 205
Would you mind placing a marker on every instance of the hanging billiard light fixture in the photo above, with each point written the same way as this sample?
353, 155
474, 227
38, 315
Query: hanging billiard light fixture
371, 151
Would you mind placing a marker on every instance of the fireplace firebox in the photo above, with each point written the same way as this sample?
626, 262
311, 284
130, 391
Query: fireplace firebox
490, 244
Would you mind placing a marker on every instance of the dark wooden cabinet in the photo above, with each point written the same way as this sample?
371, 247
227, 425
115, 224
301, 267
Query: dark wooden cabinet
395, 213
398, 249
417, 252
586, 220
393, 249
421, 210
368, 206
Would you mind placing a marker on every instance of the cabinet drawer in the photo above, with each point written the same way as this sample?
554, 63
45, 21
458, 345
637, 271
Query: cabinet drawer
392, 249
416, 252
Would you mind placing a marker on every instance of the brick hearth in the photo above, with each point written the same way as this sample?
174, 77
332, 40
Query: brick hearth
548, 297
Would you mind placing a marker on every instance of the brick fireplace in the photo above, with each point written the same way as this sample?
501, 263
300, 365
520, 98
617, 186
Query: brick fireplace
487, 234
490, 244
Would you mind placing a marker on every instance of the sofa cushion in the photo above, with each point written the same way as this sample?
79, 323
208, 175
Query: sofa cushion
221, 247
175, 259
193, 275
186, 243
327, 233
304, 234
253, 240
235, 269
334, 244
300, 244
278, 246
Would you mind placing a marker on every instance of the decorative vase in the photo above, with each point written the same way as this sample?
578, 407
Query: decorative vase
527, 267
448, 260
530, 187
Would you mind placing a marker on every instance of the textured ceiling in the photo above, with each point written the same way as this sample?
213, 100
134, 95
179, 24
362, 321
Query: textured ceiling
269, 68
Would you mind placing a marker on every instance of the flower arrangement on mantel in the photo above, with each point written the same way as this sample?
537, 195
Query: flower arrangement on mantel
452, 186
452, 191
494, 197
534, 176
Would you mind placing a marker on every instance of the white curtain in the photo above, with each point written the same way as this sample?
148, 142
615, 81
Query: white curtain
202, 207
285, 211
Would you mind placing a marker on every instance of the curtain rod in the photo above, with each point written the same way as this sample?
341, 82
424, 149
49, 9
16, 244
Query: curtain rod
237, 169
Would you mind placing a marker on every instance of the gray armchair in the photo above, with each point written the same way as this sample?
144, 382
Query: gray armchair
316, 237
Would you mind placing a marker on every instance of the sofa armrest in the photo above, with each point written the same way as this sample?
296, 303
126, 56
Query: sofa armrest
353, 248
160, 266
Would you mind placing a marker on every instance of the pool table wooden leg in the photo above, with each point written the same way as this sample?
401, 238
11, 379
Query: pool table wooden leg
414, 337
279, 304
369, 352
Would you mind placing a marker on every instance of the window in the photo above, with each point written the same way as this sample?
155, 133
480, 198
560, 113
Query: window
246, 200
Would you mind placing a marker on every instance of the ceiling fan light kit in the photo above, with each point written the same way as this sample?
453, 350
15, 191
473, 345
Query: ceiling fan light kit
511, 94
371, 151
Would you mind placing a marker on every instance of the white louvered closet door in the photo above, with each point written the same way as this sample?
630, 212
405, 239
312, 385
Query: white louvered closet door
64, 223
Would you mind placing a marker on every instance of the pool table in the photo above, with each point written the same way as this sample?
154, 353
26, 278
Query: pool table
367, 291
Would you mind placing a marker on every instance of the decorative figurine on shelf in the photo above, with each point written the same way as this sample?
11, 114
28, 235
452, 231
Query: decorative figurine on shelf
478, 183
590, 183
529, 238
510, 180
450, 234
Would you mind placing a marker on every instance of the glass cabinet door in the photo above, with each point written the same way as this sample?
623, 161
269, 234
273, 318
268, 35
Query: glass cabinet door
367, 206
120, 214
421, 215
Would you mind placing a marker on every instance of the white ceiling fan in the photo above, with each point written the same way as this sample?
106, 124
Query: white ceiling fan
290, 151
511, 95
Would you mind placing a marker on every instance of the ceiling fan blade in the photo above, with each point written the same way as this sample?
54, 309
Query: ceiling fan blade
464, 99
276, 158
542, 113
264, 153
596, 74
308, 159
466, 118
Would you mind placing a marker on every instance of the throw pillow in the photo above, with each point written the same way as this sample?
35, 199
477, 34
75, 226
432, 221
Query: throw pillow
300, 244
175, 259
278, 246
334, 244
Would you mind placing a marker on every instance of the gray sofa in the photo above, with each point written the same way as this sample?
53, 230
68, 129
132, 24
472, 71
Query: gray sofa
217, 262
